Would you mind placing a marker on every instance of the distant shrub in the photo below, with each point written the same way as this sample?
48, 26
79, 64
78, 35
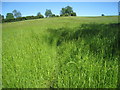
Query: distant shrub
8, 20
53, 15
20, 18
29, 17
66, 14
73, 14
57, 16
61, 15
23, 18
40, 16
102, 15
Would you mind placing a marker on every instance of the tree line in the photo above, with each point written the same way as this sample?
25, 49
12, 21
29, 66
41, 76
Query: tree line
17, 16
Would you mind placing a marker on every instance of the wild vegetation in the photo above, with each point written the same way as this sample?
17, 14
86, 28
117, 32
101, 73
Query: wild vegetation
62, 52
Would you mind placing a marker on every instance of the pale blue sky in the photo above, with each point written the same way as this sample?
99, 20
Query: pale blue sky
60, 0
81, 8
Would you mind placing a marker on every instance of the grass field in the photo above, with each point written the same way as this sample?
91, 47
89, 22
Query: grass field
61, 52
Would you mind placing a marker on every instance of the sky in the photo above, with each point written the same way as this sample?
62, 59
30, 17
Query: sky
81, 8
60, 0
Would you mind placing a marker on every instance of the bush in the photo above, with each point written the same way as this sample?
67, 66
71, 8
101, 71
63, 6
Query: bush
61, 15
102, 15
23, 18
53, 15
66, 14
57, 16
8, 20
73, 14
29, 17
40, 16
20, 18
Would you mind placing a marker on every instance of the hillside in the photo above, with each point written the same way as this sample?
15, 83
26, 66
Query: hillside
64, 52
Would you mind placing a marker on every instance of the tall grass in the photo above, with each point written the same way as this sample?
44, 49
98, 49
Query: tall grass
57, 55
88, 56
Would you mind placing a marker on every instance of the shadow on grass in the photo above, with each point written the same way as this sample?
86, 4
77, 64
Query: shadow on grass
65, 34
102, 40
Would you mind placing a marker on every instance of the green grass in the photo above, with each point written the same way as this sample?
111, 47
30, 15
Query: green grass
64, 52
0, 56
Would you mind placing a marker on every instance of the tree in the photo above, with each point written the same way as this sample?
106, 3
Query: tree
63, 11
48, 13
9, 16
53, 15
102, 15
16, 13
67, 11
39, 14
2, 17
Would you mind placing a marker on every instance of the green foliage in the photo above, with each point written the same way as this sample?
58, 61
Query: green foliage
73, 14
17, 14
1, 17
53, 15
9, 16
63, 11
8, 20
67, 11
48, 13
102, 15
38, 14
56, 15
29, 17
22, 18
34, 17
57, 53
66, 14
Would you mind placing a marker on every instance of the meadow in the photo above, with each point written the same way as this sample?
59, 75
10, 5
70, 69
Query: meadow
61, 52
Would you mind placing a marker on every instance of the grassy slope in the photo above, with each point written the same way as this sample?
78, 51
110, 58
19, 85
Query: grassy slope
32, 57
0, 56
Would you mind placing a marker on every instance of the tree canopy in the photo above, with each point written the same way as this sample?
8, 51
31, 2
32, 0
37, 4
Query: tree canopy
9, 16
16, 13
17, 16
38, 14
102, 15
48, 13
1, 17
67, 11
